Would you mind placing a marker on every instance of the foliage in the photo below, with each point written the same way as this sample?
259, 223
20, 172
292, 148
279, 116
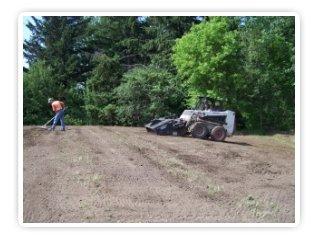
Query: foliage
247, 62
128, 70
207, 59
120, 37
161, 33
60, 44
147, 93
38, 84
268, 48
99, 90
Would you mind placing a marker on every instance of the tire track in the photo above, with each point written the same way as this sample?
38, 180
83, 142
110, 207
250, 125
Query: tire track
179, 173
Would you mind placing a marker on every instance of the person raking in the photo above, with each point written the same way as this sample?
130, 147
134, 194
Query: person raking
58, 107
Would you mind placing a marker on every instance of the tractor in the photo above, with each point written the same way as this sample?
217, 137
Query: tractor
206, 121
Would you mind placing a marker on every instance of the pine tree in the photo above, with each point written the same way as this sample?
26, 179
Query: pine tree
60, 43
120, 37
162, 33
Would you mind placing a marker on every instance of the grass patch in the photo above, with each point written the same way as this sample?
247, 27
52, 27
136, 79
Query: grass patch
96, 179
287, 140
212, 190
83, 205
87, 180
260, 209
85, 159
284, 140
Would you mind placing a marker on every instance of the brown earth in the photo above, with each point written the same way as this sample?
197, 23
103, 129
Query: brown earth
123, 174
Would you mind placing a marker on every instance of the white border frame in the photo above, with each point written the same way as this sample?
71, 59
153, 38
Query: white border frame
297, 119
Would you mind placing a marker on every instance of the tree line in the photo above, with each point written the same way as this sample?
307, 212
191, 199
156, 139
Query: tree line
129, 70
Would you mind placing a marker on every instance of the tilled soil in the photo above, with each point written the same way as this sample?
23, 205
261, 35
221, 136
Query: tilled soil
123, 174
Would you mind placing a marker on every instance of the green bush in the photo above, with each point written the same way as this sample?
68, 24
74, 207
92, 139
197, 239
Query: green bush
147, 93
69, 120
249, 65
38, 85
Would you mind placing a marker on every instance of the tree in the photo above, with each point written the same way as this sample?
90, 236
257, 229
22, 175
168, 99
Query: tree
127, 70
115, 43
99, 97
248, 62
207, 59
147, 93
60, 43
161, 33
268, 47
120, 37
33, 49
125, 43
38, 84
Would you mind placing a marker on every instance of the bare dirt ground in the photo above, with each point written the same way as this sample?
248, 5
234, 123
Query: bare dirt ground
123, 174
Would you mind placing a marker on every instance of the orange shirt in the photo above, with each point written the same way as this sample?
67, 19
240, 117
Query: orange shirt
57, 105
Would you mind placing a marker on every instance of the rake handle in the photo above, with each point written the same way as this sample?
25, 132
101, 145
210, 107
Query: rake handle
48, 122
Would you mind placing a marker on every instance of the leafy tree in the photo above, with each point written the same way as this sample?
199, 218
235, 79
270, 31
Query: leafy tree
147, 93
130, 41
248, 62
268, 96
38, 84
207, 58
127, 70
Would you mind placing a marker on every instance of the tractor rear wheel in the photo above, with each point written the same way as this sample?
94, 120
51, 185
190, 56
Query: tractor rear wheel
199, 130
218, 133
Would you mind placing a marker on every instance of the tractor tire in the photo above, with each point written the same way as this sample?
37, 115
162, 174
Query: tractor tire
182, 132
218, 134
199, 130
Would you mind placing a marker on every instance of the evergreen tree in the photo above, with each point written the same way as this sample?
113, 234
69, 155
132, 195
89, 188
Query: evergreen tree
99, 97
127, 70
61, 44
125, 43
162, 33
33, 48
120, 37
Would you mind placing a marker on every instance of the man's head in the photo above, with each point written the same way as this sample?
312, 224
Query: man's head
50, 101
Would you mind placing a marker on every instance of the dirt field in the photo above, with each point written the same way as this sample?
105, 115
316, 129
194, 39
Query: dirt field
122, 174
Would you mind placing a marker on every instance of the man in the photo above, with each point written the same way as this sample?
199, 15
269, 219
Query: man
58, 107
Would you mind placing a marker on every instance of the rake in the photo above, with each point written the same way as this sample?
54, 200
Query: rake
45, 125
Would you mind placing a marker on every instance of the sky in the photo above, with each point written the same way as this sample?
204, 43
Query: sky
26, 34
26, 31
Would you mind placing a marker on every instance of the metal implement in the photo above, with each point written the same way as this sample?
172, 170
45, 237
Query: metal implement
45, 125
207, 121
